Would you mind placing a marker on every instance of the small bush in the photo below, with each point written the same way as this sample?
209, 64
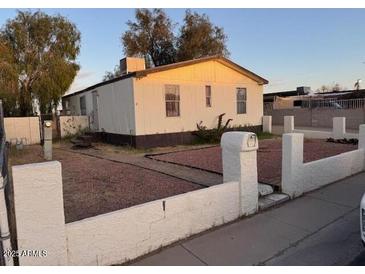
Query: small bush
212, 135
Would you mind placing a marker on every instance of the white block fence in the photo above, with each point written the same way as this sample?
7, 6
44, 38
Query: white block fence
288, 124
119, 236
126, 234
39, 213
299, 177
239, 154
267, 124
338, 129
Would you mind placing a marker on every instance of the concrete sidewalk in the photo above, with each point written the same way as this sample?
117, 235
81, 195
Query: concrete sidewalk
320, 228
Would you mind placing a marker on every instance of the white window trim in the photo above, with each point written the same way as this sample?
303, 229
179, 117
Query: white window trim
244, 101
210, 96
172, 101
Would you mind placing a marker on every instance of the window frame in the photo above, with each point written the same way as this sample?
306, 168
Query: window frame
242, 101
174, 102
208, 98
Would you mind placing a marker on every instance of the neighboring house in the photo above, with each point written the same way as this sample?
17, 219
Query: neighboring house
300, 91
162, 105
304, 97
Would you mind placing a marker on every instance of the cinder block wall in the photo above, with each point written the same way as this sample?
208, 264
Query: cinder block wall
22, 127
70, 125
320, 117
302, 116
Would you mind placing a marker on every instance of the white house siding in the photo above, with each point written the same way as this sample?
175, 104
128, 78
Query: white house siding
116, 107
149, 98
74, 103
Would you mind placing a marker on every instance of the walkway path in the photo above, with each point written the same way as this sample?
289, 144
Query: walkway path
204, 178
320, 228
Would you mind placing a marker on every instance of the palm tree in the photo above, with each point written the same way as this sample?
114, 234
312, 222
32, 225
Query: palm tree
357, 84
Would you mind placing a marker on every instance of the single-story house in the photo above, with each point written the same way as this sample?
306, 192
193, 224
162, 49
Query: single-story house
162, 105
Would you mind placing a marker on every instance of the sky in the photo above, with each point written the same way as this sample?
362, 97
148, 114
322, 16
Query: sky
289, 47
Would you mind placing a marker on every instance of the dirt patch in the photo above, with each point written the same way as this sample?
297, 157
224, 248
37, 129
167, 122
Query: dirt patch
93, 186
268, 157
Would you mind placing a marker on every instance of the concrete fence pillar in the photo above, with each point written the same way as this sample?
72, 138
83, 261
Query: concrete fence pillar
267, 124
47, 146
292, 161
288, 124
40, 219
361, 144
339, 127
4, 225
239, 154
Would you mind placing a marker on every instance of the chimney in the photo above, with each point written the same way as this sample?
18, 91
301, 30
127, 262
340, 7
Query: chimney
131, 64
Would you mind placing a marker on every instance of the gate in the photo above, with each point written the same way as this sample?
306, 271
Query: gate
7, 215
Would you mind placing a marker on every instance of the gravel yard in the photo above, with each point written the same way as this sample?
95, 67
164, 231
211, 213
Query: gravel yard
93, 186
268, 157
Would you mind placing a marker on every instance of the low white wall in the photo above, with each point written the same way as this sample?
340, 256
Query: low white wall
22, 127
123, 235
299, 177
70, 125
322, 172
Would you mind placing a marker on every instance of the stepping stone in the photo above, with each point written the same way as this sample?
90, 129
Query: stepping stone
271, 200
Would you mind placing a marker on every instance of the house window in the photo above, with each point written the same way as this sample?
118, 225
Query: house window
208, 96
83, 105
172, 99
297, 103
65, 105
241, 97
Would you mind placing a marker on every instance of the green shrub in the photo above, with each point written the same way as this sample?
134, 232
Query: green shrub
212, 135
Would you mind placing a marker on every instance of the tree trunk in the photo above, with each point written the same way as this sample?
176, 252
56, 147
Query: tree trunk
25, 102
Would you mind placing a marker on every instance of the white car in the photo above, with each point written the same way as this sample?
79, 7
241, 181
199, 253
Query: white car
362, 219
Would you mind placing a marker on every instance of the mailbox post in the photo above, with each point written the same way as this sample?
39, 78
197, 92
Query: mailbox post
239, 154
47, 145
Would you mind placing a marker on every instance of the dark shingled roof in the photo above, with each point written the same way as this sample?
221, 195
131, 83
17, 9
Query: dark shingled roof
145, 72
